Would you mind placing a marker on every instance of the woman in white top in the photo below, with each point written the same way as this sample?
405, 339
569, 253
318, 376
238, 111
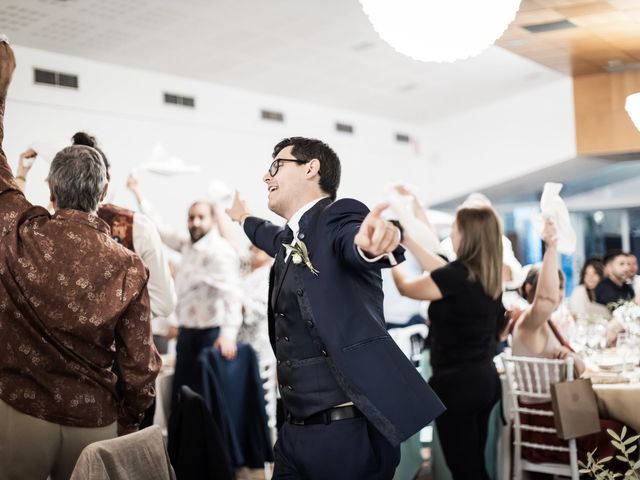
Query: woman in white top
583, 299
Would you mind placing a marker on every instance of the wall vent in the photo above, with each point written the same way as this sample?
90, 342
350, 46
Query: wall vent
344, 127
56, 79
272, 116
173, 99
549, 27
403, 138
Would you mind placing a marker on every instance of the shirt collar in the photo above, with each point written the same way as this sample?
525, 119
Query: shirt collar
204, 242
83, 218
294, 221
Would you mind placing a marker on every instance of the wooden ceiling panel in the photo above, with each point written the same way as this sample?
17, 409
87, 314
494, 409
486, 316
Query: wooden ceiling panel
584, 9
606, 32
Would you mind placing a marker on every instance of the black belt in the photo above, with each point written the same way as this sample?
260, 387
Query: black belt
327, 416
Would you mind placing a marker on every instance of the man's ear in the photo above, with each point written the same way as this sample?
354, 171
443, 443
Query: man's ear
52, 197
104, 192
313, 168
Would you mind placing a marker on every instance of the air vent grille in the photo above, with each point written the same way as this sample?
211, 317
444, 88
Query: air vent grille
173, 99
403, 138
344, 127
272, 116
56, 79
549, 27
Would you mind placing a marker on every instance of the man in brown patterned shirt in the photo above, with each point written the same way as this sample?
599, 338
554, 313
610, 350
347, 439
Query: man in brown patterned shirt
72, 302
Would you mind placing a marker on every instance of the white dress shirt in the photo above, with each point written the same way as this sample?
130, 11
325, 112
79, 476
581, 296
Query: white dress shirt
148, 245
207, 281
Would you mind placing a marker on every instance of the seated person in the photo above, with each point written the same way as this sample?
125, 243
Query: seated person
534, 335
614, 288
583, 300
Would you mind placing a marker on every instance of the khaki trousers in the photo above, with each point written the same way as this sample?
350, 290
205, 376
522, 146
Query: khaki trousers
33, 449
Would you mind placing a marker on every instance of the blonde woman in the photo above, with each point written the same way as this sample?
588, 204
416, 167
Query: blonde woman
465, 314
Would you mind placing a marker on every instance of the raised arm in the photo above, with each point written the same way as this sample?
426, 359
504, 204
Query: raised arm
171, 237
548, 287
147, 244
12, 200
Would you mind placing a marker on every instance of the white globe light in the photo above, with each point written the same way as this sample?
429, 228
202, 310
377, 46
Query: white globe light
440, 30
632, 106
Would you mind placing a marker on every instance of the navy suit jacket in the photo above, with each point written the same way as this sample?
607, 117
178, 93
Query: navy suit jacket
344, 302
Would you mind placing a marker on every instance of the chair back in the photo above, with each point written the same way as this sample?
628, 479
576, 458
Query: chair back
138, 455
529, 380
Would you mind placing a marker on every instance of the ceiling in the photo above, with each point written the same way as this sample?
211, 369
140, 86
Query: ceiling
603, 35
324, 52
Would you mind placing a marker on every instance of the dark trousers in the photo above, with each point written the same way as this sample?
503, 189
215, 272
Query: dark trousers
191, 342
469, 394
342, 450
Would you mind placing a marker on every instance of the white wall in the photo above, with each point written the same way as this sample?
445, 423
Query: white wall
224, 134
123, 108
499, 141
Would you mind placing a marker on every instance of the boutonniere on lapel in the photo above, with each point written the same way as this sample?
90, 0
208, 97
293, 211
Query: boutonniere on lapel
299, 254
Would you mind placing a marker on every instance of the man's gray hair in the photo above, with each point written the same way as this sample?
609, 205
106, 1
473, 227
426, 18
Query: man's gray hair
77, 178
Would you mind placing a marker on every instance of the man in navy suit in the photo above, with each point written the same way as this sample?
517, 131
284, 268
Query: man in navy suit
350, 394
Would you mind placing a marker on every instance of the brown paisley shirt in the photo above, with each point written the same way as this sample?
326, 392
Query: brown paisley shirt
72, 302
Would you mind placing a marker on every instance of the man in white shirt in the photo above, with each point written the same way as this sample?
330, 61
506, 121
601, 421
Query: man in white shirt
209, 309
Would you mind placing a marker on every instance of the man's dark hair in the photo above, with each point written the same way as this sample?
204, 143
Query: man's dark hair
309, 148
83, 138
611, 255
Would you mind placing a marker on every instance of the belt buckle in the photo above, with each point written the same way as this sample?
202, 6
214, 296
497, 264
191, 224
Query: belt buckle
327, 416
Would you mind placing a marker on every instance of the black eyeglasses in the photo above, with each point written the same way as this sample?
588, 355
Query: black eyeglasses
275, 165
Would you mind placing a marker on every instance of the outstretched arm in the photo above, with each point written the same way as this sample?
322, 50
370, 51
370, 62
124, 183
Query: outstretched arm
362, 238
262, 233
12, 200
170, 237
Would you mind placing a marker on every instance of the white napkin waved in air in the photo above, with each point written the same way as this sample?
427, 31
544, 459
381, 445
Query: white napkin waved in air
402, 206
162, 163
553, 207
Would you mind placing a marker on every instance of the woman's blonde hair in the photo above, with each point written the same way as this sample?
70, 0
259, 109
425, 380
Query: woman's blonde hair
480, 248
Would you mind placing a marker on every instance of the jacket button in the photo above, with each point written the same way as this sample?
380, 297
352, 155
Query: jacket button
286, 339
301, 236
289, 387
277, 338
300, 292
281, 315
288, 363
309, 324
279, 362
280, 386
324, 352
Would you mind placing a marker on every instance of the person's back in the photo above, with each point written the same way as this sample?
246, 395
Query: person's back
71, 287
72, 302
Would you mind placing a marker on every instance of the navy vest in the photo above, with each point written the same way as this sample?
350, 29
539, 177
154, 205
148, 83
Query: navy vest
306, 383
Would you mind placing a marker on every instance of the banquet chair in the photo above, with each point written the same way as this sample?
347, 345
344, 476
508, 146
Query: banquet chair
136, 456
530, 378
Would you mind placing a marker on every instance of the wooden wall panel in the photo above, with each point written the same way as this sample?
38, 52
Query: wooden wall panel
602, 123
